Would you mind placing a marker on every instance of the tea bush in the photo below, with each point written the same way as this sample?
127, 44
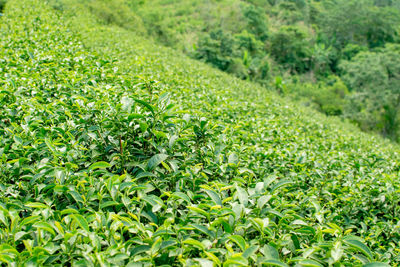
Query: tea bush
116, 151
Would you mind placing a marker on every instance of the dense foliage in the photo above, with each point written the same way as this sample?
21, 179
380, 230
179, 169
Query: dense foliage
296, 41
116, 151
375, 79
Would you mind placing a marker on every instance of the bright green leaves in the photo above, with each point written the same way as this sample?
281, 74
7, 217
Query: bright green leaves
99, 165
239, 241
146, 105
30, 220
8, 254
242, 195
203, 230
280, 184
273, 262
376, 264
36, 205
357, 245
44, 226
236, 260
194, 243
80, 221
199, 211
155, 161
117, 169
183, 196
337, 251
310, 263
214, 196
155, 202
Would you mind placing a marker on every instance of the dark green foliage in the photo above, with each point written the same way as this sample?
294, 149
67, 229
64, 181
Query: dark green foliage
382, 26
375, 78
289, 13
290, 46
256, 21
241, 54
343, 22
260, 68
351, 50
238, 68
301, 4
328, 97
216, 48
246, 41
322, 59
2, 4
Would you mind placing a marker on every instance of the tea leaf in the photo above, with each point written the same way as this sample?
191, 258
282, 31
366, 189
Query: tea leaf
81, 221
155, 161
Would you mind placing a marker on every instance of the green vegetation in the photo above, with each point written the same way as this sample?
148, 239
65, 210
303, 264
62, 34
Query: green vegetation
118, 151
375, 79
2, 4
296, 41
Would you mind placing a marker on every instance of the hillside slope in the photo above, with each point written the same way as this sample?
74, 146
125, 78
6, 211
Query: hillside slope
117, 151
339, 56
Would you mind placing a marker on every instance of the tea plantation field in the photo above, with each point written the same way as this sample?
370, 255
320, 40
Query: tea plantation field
116, 151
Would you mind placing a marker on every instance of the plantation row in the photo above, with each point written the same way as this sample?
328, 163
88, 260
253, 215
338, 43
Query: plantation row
116, 151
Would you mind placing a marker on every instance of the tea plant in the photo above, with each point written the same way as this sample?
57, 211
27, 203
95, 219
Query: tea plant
115, 151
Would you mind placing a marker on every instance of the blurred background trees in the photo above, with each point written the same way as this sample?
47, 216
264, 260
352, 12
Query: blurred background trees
340, 56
